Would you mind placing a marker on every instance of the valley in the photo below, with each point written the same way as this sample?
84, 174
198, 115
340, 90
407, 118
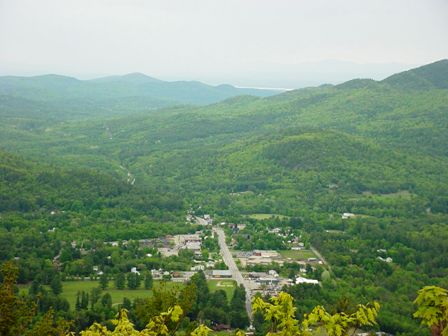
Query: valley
346, 183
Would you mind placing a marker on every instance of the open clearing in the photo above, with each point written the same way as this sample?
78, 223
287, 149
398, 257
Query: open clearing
261, 216
226, 285
297, 255
71, 288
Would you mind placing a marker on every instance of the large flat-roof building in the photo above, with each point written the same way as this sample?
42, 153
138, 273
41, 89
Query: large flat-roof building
222, 274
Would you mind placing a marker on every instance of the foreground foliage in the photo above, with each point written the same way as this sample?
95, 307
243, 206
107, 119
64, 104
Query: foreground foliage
432, 309
281, 316
280, 313
18, 316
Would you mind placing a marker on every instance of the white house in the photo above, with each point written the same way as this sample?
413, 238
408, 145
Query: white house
387, 260
134, 270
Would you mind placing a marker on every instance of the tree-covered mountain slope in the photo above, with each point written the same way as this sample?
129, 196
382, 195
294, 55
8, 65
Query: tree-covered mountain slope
312, 129
76, 200
432, 76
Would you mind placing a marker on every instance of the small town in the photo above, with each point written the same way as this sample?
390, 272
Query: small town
268, 282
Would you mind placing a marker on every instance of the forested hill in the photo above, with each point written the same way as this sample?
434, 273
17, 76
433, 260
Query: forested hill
77, 200
28, 186
432, 76
62, 97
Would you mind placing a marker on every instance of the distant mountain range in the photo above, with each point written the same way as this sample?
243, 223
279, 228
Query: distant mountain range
66, 97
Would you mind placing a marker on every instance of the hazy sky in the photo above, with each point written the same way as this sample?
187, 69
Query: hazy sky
244, 42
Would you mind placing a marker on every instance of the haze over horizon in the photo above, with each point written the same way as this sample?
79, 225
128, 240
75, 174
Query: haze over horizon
263, 43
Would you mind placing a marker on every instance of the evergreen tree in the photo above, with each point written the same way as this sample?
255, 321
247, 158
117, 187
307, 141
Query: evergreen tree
34, 288
104, 281
84, 300
56, 285
95, 296
133, 280
148, 280
138, 280
202, 293
238, 313
127, 304
120, 281
15, 313
78, 301
106, 301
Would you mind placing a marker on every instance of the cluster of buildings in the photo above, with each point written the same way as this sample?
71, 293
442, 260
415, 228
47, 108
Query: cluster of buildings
175, 276
205, 220
176, 243
382, 253
259, 257
270, 283
168, 245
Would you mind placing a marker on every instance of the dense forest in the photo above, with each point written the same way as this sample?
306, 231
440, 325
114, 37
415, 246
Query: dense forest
375, 149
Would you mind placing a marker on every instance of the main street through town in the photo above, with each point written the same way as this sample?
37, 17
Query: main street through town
236, 274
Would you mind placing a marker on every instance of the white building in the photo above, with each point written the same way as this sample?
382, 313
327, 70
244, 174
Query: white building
301, 280
197, 268
193, 246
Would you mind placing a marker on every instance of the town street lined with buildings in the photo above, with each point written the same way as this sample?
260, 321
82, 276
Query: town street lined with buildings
236, 274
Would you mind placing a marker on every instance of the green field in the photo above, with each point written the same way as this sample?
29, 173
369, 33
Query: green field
227, 285
261, 216
71, 288
297, 255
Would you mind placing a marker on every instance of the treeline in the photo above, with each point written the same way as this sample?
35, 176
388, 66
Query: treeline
26, 315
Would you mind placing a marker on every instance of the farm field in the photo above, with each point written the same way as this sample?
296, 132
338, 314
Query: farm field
297, 255
261, 216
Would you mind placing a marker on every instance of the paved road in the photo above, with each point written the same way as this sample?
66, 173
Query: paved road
236, 274
316, 252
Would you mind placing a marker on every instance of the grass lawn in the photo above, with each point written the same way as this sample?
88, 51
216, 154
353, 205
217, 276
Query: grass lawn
227, 285
261, 216
297, 255
71, 288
